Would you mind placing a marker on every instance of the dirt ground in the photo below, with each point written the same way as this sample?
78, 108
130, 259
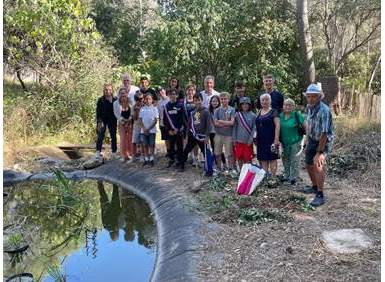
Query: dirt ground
274, 235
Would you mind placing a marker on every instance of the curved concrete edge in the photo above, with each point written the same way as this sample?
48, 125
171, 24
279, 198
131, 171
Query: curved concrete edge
178, 240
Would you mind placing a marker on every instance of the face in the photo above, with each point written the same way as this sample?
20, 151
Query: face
108, 91
191, 92
287, 107
126, 82
209, 85
214, 103
240, 91
173, 97
224, 101
173, 83
265, 102
144, 84
245, 107
123, 95
198, 103
268, 83
312, 98
148, 100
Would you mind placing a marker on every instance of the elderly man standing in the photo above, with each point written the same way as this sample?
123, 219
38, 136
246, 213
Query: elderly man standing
276, 97
209, 91
320, 133
131, 89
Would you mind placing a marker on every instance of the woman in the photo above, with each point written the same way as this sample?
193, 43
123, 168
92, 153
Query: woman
105, 118
268, 129
291, 140
122, 111
215, 103
189, 106
174, 84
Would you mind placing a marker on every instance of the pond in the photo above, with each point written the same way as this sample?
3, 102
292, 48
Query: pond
77, 231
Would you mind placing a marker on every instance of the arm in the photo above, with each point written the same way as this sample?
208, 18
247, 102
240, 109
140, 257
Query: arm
99, 108
277, 130
234, 132
226, 123
253, 132
153, 123
117, 111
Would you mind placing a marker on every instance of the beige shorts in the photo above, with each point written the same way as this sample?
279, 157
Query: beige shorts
220, 141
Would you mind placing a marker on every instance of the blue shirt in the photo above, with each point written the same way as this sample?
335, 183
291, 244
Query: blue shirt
319, 120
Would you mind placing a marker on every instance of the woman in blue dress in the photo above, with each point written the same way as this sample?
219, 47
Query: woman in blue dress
268, 127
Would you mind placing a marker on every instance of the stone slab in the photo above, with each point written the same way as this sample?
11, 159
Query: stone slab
346, 240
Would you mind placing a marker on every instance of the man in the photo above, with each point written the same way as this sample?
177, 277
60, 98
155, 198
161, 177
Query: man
239, 92
146, 90
131, 89
320, 134
209, 91
276, 97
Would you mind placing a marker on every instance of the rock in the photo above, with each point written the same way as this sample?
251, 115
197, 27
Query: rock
263, 245
93, 162
346, 240
289, 250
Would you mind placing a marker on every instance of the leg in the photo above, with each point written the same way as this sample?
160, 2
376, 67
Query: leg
172, 148
112, 126
273, 168
264, 165
229, 148
286, 161
294, 161
99, 141
191, 143
129, 138
123, 145
218, 146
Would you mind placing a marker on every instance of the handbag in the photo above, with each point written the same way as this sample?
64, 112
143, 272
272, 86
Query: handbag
301, 130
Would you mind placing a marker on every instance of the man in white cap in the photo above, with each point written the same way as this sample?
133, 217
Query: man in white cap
320, 134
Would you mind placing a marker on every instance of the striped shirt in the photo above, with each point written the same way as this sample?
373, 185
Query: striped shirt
319, 120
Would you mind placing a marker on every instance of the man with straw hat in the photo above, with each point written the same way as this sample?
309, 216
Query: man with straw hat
320, 134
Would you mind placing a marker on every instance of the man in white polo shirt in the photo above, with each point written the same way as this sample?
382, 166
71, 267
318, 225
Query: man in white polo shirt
131, 89
209, 91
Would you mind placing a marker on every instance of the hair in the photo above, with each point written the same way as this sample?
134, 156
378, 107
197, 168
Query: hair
121, 89
143, 78
265, 96
177, 84
239, 83
269, 75
191, 85
107, 85
209, 77
289, 101
211, 108
127, 99
250, 107
135, 111
126, 76
148, 94
224, 94
169, 91
198, 96
138, 95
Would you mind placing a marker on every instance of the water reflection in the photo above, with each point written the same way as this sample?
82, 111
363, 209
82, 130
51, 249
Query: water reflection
116, 232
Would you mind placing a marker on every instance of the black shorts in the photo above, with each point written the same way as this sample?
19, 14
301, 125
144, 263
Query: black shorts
311, 151
164, 133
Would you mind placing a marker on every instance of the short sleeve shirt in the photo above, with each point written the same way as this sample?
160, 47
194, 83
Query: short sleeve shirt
148, 114
319, 120
131, 94
289, 128
224, 114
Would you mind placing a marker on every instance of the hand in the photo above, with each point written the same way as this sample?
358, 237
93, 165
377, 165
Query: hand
319, 159
207, 139
276, 142
171, 132
146, 131
99, 126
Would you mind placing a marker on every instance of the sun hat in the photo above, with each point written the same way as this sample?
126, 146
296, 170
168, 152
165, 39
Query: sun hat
314, 88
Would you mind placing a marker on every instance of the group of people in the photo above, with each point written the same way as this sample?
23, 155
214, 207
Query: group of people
230, 124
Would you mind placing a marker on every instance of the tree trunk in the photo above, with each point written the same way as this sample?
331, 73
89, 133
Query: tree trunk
305, 43
20, 80
373, 74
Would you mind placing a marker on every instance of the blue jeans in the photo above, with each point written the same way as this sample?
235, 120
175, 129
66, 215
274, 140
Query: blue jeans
112, 125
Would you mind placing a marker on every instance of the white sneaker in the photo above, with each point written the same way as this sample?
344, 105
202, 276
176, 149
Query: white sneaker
97, 155
114, 156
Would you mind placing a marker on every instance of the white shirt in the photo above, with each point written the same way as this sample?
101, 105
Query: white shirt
148, 114
206, 98
131, 94
161, 104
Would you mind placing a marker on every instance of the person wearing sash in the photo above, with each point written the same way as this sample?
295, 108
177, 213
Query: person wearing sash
291, 140
243, 132
199, 128
174, 122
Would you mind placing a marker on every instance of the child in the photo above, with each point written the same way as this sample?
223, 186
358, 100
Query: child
189, 106
215, 102
199, 128
148, 117
224, 118
243, 132
174, 121
105, 117
122, 113
163, 100
135, 142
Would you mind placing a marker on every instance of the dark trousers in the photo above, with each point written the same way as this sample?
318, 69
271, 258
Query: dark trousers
112, 125
191, 143
178, 141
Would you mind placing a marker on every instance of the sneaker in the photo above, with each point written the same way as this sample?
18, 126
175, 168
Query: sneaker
233, 173
170, 163
151, 163
309, 189
318, 201
216, 172
145, 163
271, 183
97, 155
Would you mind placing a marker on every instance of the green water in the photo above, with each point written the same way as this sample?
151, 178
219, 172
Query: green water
80, 231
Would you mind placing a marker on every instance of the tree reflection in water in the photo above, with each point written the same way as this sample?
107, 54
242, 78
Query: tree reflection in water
53, 234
